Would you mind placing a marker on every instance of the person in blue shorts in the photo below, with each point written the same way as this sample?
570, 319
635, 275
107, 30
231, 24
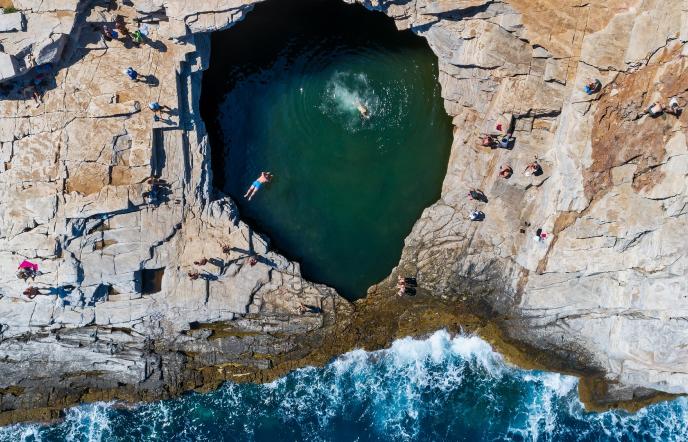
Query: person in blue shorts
265, 177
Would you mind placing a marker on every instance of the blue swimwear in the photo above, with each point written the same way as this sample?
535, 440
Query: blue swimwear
256, 184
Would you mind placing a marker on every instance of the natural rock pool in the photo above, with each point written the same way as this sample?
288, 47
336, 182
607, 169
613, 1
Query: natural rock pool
281, 95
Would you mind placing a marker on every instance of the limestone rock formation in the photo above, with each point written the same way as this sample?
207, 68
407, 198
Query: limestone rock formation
118, 316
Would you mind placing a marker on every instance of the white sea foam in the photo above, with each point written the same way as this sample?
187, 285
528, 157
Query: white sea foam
343, 95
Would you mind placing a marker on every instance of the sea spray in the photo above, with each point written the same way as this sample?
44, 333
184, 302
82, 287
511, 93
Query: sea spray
440, 388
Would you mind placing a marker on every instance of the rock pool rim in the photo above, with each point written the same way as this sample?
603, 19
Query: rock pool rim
363, 253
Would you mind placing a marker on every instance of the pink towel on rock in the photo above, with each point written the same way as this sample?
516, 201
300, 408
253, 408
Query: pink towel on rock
28, 265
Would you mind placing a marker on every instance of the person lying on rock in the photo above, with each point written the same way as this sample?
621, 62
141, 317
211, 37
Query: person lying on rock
655, 110
477, 215
265, 177
306, 308
477, 195
32, 292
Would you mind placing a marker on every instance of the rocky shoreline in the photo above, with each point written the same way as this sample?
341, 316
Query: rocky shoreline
603, 297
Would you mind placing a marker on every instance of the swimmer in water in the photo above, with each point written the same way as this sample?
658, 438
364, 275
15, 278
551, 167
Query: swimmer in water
362, 109
265, 177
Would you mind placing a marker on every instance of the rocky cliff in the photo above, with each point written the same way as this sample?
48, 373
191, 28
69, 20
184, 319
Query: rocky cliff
604, 295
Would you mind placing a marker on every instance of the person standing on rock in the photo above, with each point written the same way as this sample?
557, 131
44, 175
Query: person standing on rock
132, 74
156, 108
121, 26
265, 177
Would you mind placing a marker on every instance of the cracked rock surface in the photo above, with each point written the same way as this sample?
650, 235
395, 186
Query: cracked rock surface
118, 316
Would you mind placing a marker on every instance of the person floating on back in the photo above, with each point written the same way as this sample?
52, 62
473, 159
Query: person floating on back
265, 177
592, 86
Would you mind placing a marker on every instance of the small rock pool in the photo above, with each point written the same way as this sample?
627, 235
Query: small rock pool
282, 95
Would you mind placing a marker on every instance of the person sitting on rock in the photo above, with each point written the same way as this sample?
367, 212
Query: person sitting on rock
506, 141
265, 177
405, 289
201, 262
674, 109
108, 34
477, 195
137, 37
533, 168
27, 270
506, 171
30, 91
488, 140
477, 215
193, 275
408, 281
592, 86
540, 235
655, 110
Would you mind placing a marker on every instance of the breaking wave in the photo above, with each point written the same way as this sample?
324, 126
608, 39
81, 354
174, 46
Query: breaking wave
435, 389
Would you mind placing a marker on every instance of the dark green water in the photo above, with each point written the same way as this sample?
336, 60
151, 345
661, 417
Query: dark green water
281, 95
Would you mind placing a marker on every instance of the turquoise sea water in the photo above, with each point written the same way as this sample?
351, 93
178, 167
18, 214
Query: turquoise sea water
442, 388
281, 95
